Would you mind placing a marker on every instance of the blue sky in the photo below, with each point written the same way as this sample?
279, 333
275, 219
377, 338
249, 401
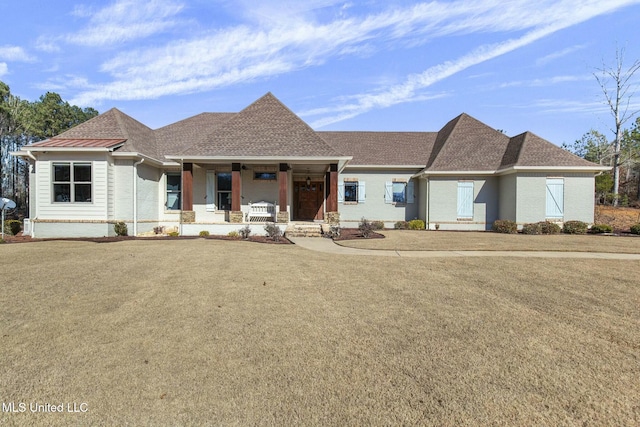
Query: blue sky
340, 65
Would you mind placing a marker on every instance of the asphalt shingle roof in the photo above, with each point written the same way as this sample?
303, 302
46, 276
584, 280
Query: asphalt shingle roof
265, 128
382, 148
268, 128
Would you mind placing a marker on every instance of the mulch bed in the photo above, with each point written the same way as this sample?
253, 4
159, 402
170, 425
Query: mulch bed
258, 239
355, 234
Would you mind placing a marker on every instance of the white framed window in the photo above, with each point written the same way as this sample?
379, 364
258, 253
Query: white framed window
399, 192
465, 199
173, 190
351, 191
555, 198
72, 182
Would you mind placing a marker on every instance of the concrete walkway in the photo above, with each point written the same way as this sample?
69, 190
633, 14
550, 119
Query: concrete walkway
320, 244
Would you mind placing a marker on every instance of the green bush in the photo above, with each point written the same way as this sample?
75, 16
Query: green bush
575, 227
601, 228
416, 224
635, 229
365, 227
173, 234
204, 233
378, 225
12, 226
121, 229
401, 225
505, 226
273, 231
233, 234
532, 228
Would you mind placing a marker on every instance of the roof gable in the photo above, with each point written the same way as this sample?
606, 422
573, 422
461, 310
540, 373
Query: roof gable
265, 128
528, 149
467, 144
114, 124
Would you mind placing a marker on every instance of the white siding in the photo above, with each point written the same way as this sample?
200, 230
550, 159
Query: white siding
97, 209
507, 205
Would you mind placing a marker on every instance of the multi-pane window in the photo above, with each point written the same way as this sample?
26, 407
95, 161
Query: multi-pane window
399, 191
223, 190
174, 189
72, 182
351, 191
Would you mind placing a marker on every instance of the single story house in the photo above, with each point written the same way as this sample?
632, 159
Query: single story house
219, 171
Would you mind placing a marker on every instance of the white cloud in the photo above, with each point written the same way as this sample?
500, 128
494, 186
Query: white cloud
559, 54
4, 69
556, 16
123, 21
14, 53
243, 53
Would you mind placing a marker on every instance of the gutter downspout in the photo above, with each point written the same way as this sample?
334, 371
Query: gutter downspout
135, 196
428, 203
181, 198
35, 208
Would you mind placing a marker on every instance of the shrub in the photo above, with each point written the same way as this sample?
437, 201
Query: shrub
601, 228
121, 229
12, 226
416, 224
245, 231
365, 227
204, 233
542, 227
575, 227
548, 227
158, 230
233, 234
532, 228
401, 225
635, 229
273, 231
378, 225
173, 234
334, 232
2, 241
505, 226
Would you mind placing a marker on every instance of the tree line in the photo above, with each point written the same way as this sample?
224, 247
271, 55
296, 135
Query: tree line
23, 122
595, 147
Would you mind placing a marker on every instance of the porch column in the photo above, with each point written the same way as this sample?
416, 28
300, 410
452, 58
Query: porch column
333, 216
283, 180
236, 194
188, 215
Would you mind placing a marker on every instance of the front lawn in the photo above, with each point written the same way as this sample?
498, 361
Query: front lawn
208, 332
413, 240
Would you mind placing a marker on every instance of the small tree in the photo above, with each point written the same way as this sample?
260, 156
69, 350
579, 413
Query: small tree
618, 90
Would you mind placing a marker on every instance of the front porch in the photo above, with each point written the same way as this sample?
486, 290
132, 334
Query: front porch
253, 192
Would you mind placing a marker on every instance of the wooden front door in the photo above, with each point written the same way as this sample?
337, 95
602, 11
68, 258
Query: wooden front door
308, 200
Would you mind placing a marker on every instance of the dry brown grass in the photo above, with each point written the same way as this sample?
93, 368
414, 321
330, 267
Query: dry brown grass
408, 240
222, 333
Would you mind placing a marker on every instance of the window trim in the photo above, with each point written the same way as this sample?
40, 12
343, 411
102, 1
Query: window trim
72, 182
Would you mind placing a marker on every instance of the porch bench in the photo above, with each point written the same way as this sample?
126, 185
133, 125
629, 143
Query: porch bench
261, 212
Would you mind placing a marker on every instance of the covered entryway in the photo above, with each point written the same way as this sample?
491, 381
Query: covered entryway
308, 200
